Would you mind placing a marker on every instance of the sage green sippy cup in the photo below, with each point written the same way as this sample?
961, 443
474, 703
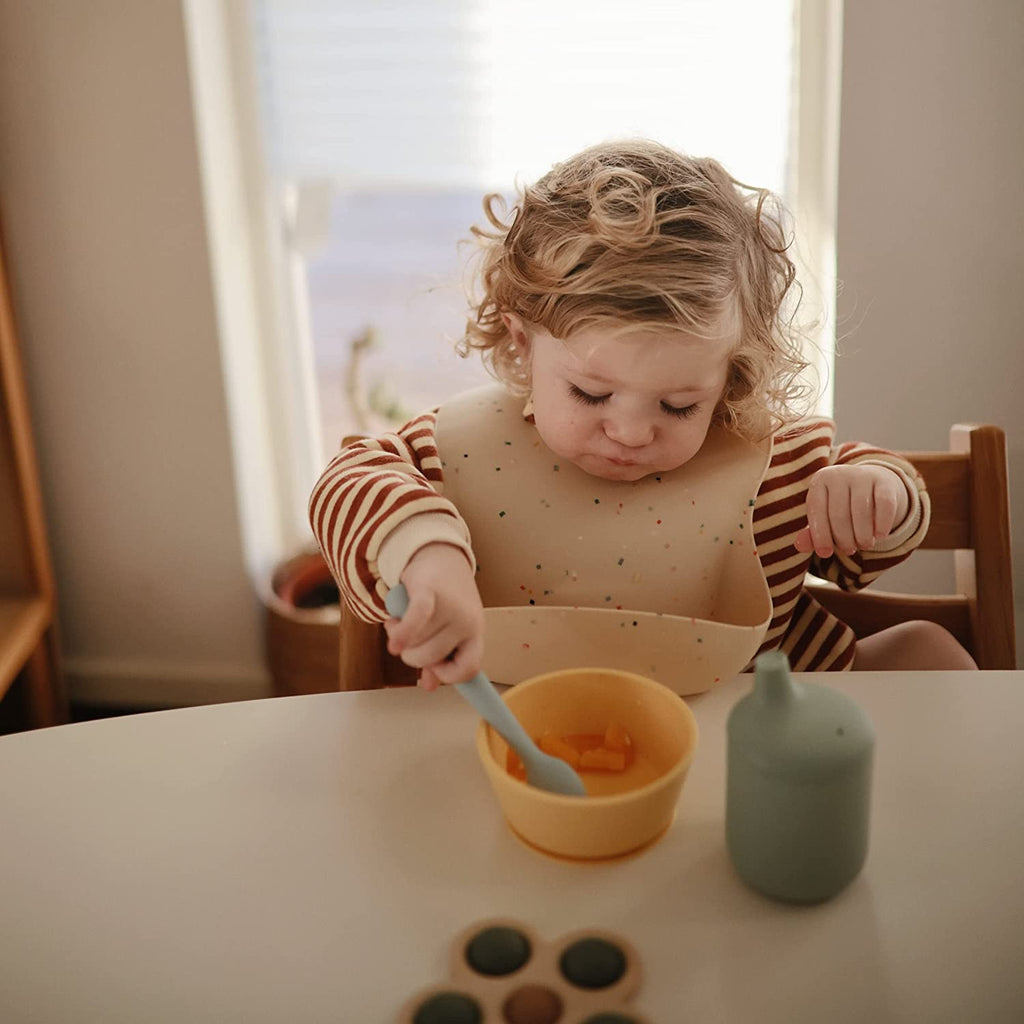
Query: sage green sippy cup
798, 792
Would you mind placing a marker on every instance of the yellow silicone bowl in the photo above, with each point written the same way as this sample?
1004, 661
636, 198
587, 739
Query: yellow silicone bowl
603, 823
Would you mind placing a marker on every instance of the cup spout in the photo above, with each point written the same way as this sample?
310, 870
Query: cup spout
773, 683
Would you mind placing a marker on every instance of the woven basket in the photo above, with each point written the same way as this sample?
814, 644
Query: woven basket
302, 642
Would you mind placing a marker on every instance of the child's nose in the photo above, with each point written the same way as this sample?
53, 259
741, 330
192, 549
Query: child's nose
629, 431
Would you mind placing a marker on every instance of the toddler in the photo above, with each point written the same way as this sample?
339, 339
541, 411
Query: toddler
639, 480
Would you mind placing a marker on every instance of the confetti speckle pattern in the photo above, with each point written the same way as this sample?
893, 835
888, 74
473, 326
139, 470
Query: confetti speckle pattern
571, 535
664, 586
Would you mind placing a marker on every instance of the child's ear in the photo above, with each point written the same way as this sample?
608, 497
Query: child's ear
517, 332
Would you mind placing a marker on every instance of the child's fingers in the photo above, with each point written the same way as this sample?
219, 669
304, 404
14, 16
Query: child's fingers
840, 519
435, 649
461, 665
862, 510
817, 520
848, 509
886, 505
414, 626
428, 680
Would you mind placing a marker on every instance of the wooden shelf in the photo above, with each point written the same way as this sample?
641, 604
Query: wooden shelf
28, 646
23, 624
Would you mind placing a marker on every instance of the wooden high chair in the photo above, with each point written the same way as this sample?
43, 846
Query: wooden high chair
970, 517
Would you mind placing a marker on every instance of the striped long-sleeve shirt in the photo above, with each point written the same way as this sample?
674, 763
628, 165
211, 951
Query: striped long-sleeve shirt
380, 500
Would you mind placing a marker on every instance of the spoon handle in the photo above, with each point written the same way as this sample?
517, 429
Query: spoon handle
479, 690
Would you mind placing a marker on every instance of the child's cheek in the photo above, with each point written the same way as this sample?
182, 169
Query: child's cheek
571, 428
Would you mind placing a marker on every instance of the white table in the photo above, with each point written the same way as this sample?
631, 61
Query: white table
310, 858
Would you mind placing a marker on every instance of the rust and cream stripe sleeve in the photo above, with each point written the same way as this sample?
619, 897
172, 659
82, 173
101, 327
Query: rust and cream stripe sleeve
371, 489
780, 513
814, 639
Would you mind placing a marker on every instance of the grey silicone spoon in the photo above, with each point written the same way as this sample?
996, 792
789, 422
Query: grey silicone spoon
542, 770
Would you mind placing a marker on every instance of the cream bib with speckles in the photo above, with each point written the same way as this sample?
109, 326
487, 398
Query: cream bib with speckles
659, 577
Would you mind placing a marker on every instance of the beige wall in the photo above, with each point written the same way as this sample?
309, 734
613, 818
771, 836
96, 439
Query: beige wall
100, 193
102, 211
931, 232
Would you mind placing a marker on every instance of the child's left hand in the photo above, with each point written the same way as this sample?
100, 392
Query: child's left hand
849, 508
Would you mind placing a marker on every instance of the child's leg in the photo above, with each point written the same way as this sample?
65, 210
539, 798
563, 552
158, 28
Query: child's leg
911, 646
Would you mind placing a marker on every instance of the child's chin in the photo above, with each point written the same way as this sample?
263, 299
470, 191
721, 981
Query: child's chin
607, 470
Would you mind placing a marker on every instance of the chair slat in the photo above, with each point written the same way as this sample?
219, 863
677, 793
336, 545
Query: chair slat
869, 611
362, 652
947, 477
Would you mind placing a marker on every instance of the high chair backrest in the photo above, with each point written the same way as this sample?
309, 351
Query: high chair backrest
970, 517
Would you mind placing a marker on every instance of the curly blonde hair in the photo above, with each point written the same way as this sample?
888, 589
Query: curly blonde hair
634, 234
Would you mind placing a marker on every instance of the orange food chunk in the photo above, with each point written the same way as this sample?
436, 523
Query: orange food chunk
612, 752
603, 760
557, 746
581, 741
616, 738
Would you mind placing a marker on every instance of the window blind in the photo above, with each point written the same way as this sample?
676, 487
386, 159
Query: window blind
457, 93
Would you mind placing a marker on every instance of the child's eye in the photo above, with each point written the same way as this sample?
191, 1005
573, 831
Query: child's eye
585, 398
683, 412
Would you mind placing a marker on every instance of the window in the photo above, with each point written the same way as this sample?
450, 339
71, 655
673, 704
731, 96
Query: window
369, 133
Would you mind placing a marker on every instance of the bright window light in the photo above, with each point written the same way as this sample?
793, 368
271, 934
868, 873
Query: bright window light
403, 114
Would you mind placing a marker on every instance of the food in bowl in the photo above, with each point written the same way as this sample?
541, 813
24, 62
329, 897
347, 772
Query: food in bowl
611, 751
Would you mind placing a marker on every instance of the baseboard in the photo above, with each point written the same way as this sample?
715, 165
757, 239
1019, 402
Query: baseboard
105, 682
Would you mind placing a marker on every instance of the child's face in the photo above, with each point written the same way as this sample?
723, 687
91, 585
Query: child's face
622, 405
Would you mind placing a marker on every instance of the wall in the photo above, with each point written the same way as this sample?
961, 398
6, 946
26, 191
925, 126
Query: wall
931, 233
100, 193
102, 214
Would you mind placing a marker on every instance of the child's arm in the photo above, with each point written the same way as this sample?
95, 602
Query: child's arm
866, 511
377, 503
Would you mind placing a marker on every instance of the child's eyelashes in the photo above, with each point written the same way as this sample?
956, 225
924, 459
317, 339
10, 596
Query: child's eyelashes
683, 412
586, 398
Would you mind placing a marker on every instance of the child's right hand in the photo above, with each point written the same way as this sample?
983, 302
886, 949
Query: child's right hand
442, 631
